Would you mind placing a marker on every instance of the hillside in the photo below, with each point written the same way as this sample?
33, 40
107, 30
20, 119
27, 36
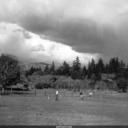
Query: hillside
35, 65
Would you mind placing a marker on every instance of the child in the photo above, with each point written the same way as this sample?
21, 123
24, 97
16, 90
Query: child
81, 95
90, 94
48, 96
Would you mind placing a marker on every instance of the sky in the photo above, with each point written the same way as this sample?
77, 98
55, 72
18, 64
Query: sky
61, 30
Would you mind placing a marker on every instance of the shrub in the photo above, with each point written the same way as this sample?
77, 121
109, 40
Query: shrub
75, 75
46, 85
122, 84
39, 85
92, 84
26, 85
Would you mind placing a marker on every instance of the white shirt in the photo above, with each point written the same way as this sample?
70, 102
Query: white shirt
56, 92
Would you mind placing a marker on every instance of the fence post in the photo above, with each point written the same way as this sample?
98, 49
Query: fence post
11, 90
45, 93
72, 92
35, 91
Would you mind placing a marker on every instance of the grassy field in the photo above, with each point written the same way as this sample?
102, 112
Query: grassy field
28, 109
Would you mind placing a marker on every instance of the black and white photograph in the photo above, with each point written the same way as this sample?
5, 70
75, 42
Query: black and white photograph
63, 63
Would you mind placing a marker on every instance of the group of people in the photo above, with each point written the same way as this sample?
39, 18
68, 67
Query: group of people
89, 95
56, 95
81, 95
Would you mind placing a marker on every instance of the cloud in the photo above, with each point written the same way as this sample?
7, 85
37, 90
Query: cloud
13, 40
90, 27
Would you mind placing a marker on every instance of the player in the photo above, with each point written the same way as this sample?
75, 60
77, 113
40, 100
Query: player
48, 96
81, 95
90, 94
57, 93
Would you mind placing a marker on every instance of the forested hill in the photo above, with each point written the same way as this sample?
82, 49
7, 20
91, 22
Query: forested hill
41, 65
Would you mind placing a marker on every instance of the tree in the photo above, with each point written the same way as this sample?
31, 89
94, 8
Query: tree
121, 70
83, 72
52, 69
91, 68
126, 72
106, 68
114, 65
76, 69
75, 75
122, 84
99, 69
89, 71
59, 70
76, 64
9, 70
39, 71
46, 69
65, 68
30, 71
100, 65
34, 70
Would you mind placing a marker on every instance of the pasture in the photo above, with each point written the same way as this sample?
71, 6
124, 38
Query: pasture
108, 108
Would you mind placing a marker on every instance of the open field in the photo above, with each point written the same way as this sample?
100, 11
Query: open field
108, 109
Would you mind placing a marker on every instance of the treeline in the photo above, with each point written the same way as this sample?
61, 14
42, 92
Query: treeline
11, 72
93, 70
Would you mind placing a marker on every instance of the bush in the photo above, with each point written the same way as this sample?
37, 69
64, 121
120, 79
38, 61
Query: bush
122, 84
26, 85
92, 84
46, 85
39, 85
75, 75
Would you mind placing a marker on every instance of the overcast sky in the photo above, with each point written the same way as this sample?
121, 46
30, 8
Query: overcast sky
58, 30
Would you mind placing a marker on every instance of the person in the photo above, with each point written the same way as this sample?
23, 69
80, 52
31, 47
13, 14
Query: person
57, 93
90, 94
2, 90
48, 96
81, 95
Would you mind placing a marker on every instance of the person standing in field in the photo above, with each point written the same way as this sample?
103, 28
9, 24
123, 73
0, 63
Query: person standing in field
81, 95
90, 94
48, 95
57, 93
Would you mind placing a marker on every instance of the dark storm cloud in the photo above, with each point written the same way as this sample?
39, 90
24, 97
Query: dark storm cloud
95, 26
83, 35
75, 33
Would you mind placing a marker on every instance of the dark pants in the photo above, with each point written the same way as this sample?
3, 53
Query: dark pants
56, 96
